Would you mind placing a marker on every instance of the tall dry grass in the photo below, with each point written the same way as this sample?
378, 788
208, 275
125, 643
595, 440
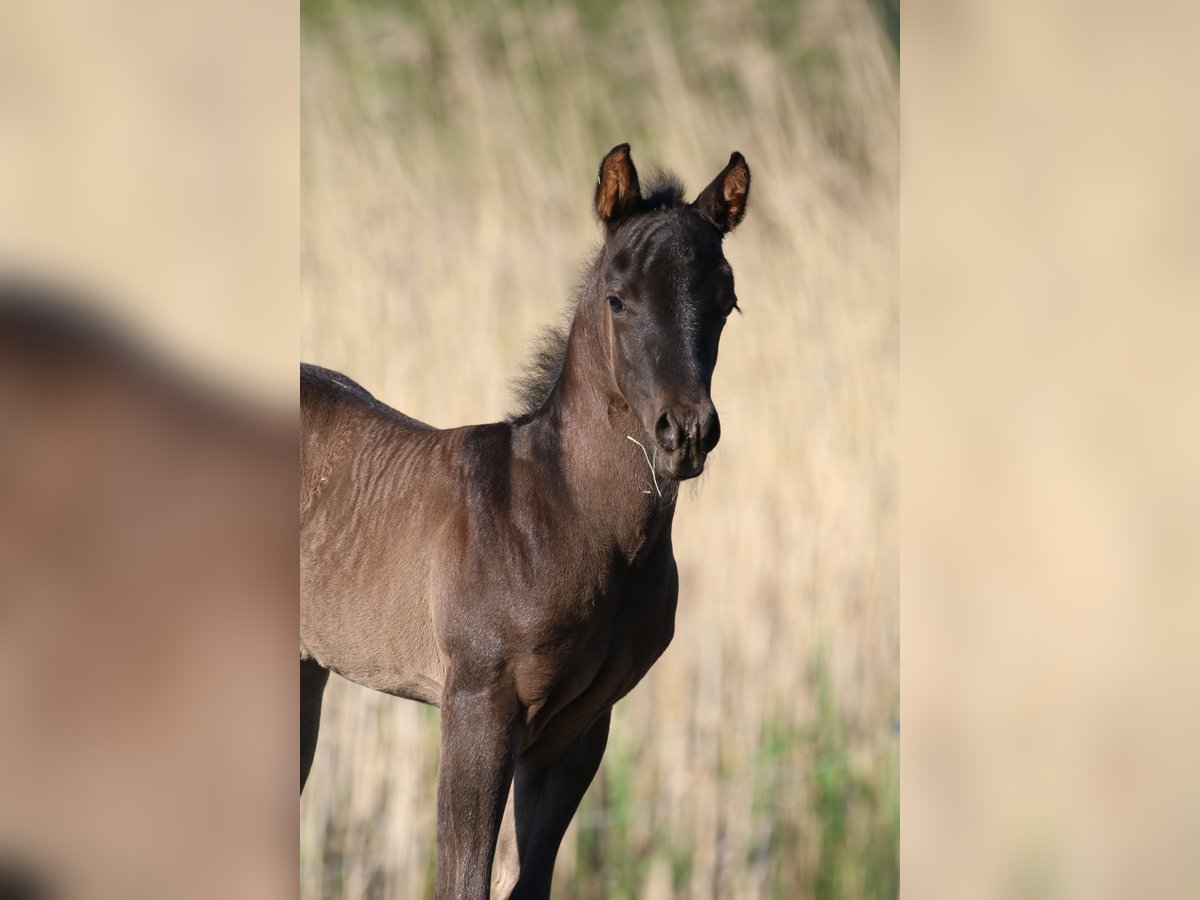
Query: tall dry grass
449, 153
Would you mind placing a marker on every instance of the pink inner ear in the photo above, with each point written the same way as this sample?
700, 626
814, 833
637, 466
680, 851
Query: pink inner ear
735, 184
618, 186
610, 197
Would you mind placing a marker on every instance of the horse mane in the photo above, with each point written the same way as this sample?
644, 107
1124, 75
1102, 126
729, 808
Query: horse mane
533, 387
663, 190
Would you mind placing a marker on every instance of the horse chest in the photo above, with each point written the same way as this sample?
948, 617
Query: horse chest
586, 667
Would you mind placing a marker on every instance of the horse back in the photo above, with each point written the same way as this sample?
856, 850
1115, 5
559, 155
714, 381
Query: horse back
336, 415
324, 391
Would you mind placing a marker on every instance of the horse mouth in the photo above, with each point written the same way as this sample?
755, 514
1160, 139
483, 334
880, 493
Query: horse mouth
686, 469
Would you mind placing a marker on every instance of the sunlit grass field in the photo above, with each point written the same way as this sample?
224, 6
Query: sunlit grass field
449, 155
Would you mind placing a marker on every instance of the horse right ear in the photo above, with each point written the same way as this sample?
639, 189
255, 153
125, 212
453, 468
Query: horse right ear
723, 203
618, 193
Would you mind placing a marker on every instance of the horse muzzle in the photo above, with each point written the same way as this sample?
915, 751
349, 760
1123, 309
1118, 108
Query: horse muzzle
685, 435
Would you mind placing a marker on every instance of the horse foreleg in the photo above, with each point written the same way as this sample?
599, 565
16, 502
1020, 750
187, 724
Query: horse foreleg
474, 776
545, 798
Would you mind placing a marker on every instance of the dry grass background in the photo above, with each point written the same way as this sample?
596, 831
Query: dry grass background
449, 153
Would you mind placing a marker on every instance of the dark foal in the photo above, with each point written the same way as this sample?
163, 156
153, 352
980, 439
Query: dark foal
520, 575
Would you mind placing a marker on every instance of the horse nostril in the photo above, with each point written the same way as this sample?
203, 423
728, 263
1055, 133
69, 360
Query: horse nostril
710, 432
668, 432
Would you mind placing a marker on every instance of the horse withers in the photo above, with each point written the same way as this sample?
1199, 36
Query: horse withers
520, 575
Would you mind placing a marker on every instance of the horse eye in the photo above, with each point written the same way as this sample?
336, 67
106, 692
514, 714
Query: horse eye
614, 303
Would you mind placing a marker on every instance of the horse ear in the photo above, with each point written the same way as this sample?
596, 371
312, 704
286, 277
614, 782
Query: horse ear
723, 203
617, 190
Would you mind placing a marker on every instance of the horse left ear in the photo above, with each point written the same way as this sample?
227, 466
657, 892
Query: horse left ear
618, 193
723, 203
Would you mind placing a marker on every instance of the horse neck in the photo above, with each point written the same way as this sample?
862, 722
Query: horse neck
590, 425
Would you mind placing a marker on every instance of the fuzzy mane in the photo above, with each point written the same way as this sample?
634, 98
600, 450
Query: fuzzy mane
663, 190
532, 388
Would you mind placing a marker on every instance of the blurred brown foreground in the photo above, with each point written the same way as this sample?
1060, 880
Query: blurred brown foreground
147, 588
